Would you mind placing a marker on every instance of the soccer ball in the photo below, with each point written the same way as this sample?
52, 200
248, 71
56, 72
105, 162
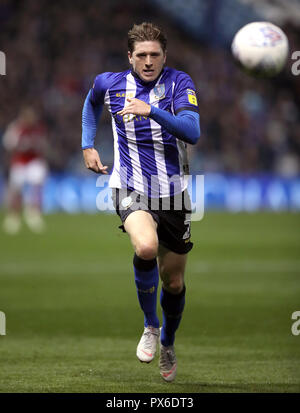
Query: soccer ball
260, 49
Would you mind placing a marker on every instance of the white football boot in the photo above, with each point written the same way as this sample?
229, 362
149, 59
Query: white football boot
167, 363
12, 224
146, 348
34, 220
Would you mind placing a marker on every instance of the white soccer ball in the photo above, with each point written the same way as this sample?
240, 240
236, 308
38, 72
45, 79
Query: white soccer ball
260, 48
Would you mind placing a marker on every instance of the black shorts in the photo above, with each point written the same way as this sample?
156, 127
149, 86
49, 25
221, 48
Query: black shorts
172, 215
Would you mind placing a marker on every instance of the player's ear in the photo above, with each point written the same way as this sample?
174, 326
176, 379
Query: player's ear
165, 56
130, 57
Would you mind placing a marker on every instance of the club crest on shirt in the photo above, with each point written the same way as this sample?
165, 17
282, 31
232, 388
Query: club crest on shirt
159, 91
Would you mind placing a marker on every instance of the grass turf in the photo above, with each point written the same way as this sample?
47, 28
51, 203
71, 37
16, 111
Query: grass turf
73, 320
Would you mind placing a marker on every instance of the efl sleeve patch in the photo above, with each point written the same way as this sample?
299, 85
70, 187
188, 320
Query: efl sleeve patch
192, 97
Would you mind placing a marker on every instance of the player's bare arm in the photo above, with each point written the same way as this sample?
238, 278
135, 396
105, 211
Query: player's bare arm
92, 161
135, 107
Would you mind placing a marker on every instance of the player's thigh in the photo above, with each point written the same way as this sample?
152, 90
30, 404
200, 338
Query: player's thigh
36, 172
171, 269
17, 177
142, 230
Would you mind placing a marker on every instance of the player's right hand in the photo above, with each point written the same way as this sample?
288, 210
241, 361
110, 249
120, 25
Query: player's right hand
92, 161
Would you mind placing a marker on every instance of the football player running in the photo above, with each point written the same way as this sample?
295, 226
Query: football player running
154, 115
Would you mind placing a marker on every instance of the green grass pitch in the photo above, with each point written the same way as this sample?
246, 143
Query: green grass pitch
73, 320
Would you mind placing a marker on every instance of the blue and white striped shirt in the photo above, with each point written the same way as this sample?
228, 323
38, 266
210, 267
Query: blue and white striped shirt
147, 158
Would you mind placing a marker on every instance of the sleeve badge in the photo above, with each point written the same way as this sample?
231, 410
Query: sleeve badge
192, 98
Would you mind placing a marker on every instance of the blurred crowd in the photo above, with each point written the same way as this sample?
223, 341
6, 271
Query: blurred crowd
55, 49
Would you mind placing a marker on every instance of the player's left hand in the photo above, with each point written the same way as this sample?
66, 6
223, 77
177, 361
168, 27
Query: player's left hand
135, 107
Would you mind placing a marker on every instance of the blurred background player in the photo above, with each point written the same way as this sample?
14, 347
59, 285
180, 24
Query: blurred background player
25, 144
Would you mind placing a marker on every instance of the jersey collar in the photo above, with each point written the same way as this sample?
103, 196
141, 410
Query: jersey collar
143, 83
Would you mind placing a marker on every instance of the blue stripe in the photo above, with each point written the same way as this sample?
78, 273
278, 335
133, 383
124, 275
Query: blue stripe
170, 145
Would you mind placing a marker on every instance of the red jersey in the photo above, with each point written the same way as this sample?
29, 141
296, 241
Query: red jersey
26, 142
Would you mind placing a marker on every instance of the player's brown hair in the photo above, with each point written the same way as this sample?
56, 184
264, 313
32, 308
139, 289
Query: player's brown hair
146, 32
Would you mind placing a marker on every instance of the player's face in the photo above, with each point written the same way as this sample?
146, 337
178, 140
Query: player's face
147, 59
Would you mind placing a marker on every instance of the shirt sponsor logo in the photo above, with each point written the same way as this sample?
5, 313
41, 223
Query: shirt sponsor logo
125, 95
129, 118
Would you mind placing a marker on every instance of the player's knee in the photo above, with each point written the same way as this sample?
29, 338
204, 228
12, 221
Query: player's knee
146, 250
174, 285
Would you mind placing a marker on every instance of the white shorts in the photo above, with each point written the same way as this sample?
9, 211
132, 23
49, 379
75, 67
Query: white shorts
31, 173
